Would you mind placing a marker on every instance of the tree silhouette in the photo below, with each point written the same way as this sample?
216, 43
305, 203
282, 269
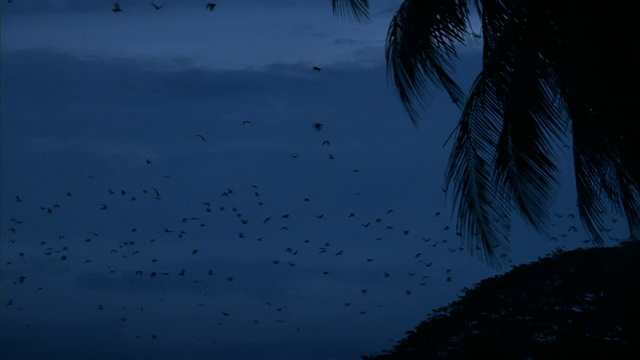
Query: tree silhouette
550, 69
579, 304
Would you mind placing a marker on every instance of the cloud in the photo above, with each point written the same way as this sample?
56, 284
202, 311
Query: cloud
264, 35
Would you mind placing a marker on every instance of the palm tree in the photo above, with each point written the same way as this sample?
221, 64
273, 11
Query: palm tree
550, 70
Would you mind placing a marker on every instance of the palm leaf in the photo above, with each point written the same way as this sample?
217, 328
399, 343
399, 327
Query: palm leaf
605, 128
525, 166
603, 173
352, 9
483, 213
532, 125
420, 47
546, 69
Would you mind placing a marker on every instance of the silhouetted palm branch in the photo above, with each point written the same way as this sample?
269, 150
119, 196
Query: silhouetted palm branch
483, 215
420, 48
604, 120
515, 61
546, 70
539, 71
353, 9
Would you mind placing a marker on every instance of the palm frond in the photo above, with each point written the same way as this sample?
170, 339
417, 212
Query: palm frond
525, 164
420, 47
630, 200
590, 201
546, 69
625, 194
357, 10
594, 151
605, 171
605, 128
515, 60
629, 171
483, 213
513, 108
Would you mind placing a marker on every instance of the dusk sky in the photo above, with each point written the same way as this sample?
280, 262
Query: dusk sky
166, 195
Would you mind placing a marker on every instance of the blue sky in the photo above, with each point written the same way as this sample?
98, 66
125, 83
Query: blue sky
94, 101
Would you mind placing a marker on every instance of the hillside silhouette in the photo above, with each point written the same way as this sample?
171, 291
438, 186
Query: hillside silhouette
580, 304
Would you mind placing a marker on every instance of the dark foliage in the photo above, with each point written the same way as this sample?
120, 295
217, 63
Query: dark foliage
581, 304
553, 73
